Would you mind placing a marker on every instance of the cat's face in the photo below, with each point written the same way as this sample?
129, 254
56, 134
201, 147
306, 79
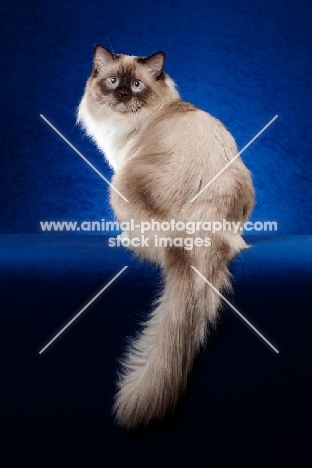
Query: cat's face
126, 83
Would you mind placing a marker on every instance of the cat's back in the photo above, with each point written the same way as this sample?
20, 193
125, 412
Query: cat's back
182, 130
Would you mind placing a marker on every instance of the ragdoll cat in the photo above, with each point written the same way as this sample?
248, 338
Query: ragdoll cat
164, 151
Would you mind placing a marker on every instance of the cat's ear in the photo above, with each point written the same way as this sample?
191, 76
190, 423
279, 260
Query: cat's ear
101, 58
155, 63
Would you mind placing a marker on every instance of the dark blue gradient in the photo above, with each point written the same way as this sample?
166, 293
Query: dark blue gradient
245, 404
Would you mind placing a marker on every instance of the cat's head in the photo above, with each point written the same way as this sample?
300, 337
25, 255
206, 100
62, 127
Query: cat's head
127, 83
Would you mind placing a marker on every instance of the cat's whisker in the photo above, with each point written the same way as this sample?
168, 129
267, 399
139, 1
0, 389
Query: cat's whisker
134, 118
140, 116
136, 108
105, 101
133, 112
143, 109
137, 116
100, 108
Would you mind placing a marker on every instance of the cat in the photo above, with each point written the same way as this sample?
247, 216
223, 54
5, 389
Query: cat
163, 152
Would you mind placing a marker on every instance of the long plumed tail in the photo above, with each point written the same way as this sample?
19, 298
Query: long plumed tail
156, 367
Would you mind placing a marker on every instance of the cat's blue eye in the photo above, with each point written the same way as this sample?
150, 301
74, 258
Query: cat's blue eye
137, 84
113, 81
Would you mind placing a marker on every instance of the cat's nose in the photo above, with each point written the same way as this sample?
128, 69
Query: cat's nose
123, 93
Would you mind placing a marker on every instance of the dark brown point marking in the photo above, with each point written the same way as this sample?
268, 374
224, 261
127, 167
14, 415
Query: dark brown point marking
124, 92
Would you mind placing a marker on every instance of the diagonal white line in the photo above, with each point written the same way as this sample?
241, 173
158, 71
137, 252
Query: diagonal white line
81, 155
235, 310
82, 310
233, 159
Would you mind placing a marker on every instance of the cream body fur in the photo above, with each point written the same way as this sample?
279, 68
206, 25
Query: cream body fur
164, 151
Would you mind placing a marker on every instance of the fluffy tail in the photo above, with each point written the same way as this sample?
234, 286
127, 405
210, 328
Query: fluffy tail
156, 367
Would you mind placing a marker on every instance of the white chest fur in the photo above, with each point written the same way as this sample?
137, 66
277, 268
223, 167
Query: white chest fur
110, 133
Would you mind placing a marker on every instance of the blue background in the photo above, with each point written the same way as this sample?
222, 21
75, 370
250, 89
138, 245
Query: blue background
243, 61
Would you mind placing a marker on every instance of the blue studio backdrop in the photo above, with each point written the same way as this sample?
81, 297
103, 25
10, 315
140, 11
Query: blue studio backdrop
243, 61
